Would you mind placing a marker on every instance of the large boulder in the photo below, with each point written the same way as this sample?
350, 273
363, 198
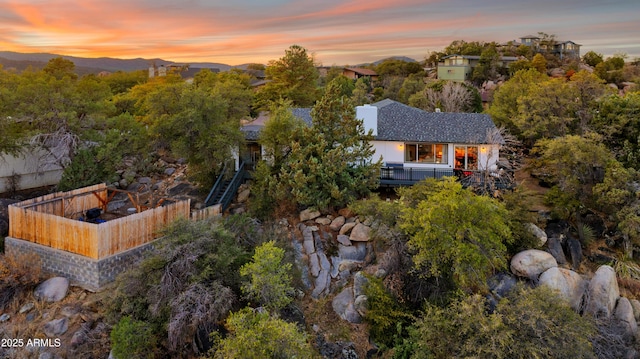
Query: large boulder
52, 290
321, 284
360, 233
343, 305
357, 252
624, 314
602, 293
555, 248
531, 263
575, 251
569, 285
538, 233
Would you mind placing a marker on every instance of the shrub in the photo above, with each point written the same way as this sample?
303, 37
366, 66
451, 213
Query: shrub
131, 338
530, 323
257, 335
270, 278
387, 319
18, 275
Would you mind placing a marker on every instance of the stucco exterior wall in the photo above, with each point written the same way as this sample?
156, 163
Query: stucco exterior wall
28, 171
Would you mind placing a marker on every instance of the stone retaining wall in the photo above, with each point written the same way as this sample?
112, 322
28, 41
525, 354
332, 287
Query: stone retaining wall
82, 271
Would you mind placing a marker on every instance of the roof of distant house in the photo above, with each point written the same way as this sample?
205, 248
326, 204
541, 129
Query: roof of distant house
362, 71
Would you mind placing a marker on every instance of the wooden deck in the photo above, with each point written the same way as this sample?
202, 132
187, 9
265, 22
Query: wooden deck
53, 221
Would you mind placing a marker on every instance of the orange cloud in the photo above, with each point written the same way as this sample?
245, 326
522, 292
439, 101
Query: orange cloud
337, 31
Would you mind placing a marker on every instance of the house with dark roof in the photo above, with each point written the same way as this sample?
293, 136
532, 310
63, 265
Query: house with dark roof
564, 49
413, 143
355, 73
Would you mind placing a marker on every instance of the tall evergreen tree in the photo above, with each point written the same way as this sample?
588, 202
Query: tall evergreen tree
330, 162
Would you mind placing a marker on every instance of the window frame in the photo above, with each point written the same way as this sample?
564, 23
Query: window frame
438, 154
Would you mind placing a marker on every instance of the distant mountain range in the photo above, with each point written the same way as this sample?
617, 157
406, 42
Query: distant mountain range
20, 62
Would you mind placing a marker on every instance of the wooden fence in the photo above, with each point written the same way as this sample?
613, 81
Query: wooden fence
52, 221
207, 212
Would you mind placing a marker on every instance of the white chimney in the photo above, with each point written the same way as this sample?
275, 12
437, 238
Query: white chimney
369, 116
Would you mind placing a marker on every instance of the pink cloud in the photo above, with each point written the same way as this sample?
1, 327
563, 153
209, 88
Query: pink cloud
349, 31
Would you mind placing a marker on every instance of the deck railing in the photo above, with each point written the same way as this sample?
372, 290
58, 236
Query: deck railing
480, 180
408, 175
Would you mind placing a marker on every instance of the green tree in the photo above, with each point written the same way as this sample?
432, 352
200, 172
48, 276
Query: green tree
276, 138
530, 323
270, 279
618, 119
332, 73
548, 109
195, 123
60, 68
330, 162
346, 84
504, 107
455, 232
524, 51
461, 47
293, 77
611, 70
413, 84
361, 91
539, 63
487, 68
589, 89
573, 165
121, 81
592, 58
387, 319
256, 335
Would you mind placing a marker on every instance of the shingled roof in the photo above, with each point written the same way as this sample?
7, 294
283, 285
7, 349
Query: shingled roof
399, 122
252, 130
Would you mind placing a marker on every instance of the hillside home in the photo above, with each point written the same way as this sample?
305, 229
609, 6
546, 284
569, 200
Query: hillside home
459, 68
562, 49
355, 73
414, 144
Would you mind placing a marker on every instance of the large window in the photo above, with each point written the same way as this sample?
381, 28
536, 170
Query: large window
466, 157
426, 153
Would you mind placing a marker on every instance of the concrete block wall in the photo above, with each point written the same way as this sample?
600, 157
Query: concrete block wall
88, 273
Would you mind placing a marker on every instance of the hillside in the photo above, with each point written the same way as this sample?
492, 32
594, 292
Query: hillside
21, 61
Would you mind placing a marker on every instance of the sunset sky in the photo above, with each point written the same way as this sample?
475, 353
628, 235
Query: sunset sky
337, 32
